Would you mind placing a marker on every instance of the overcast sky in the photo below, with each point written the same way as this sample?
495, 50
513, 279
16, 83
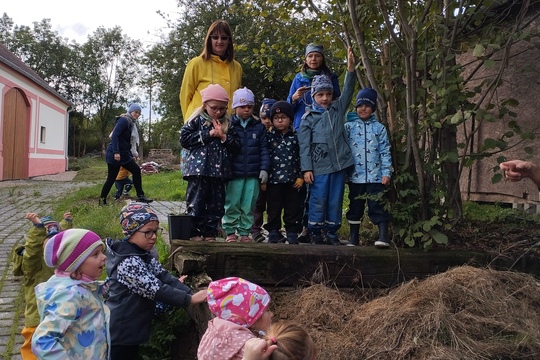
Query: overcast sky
78, 19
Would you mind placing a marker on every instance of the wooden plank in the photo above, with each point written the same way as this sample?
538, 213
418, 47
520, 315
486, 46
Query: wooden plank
288, 265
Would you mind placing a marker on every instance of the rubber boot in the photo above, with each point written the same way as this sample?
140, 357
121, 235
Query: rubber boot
354, 239
273, 236
292, 238
383, 241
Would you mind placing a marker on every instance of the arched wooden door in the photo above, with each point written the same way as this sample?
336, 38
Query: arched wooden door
15, 135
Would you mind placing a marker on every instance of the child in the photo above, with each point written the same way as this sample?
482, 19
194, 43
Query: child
241, 310
325, 154
283, 342
210, 142
299, 96
250, 166
372, 168
74, 320
36, 271
285, 179
137, 281
122, 179
260, 205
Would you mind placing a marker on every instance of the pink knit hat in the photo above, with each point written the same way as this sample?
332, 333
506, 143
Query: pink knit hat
237, 300
68, 249
214, 92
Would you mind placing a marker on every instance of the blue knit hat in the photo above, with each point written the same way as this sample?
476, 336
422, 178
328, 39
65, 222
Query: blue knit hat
320, 83
134, 107
367, 96
243, 97
314, 48
266, 106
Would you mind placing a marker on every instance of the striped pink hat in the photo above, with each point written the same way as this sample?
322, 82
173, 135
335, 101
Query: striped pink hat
68, 249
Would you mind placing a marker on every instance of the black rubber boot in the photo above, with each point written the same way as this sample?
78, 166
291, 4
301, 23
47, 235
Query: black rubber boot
354, 239
383, 241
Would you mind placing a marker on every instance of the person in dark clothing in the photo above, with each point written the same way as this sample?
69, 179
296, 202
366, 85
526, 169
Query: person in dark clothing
119, 154
137, 281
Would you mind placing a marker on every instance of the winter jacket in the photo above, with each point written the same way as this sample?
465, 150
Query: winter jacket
370, 149
300, 105
284, 157
200, 73
35, 270
74, 321
136, 281
253, 155
223, 340
206, 155
120, 141
324, 148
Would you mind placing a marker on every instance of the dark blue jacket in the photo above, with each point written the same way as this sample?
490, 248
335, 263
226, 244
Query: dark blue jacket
254, 155
284, 157
120, 142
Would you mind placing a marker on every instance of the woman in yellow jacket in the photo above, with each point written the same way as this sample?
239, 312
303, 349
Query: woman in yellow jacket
215, 65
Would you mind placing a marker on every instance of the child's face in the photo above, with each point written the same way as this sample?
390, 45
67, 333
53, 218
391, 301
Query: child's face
314, 60
323, 98
281, 122
266, 121
94, 264
146, 237
264, 322
364, 111
244, 112
216, 109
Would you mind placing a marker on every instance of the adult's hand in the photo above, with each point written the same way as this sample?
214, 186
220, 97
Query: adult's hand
300, 92
117, 157
516, 170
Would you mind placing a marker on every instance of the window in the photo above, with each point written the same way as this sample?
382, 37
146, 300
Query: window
42, 135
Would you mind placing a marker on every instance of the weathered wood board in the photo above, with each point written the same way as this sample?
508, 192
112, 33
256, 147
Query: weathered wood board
285, 265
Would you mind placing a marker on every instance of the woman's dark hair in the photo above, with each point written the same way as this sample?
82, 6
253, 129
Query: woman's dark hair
216, 28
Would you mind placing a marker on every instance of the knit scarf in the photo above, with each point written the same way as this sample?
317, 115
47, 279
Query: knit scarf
309, 74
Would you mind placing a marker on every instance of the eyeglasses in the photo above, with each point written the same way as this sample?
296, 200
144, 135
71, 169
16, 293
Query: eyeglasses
217, 37
150, 233
281, 118
217, 108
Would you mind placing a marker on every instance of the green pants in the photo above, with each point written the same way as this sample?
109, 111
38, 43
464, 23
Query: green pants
240, 198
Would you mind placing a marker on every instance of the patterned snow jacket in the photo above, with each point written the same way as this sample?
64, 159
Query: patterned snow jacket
284, 157
253, 156
136, 281
223, 340
370, 148
206, 155
74, 320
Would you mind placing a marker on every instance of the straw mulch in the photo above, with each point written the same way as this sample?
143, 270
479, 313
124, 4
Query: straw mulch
464, 313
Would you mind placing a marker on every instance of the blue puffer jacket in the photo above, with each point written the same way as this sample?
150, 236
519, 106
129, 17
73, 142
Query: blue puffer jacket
253, 155
299, 106
370, 148
284, 157
323, 145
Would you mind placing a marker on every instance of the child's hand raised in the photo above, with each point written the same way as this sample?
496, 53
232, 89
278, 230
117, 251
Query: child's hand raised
350, 60
258, 349
33, 217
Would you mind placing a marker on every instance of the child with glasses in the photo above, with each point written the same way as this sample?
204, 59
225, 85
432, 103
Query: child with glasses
209, 143
137, 281
250, 168
285, 179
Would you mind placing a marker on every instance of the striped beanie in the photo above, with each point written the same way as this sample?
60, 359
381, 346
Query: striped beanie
51, 226
237, 300
67, 250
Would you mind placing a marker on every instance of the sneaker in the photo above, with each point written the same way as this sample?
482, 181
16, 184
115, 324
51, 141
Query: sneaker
144, 199
351, 244
258, 237
245, 239
333, 240
304, 237
125, 193
381, 244
318, 240
116, 198
231, 238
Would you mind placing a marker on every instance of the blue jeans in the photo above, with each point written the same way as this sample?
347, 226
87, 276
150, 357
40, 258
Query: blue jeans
119, 184
326, 202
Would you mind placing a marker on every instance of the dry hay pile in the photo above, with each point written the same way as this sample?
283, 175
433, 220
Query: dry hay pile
464, 313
